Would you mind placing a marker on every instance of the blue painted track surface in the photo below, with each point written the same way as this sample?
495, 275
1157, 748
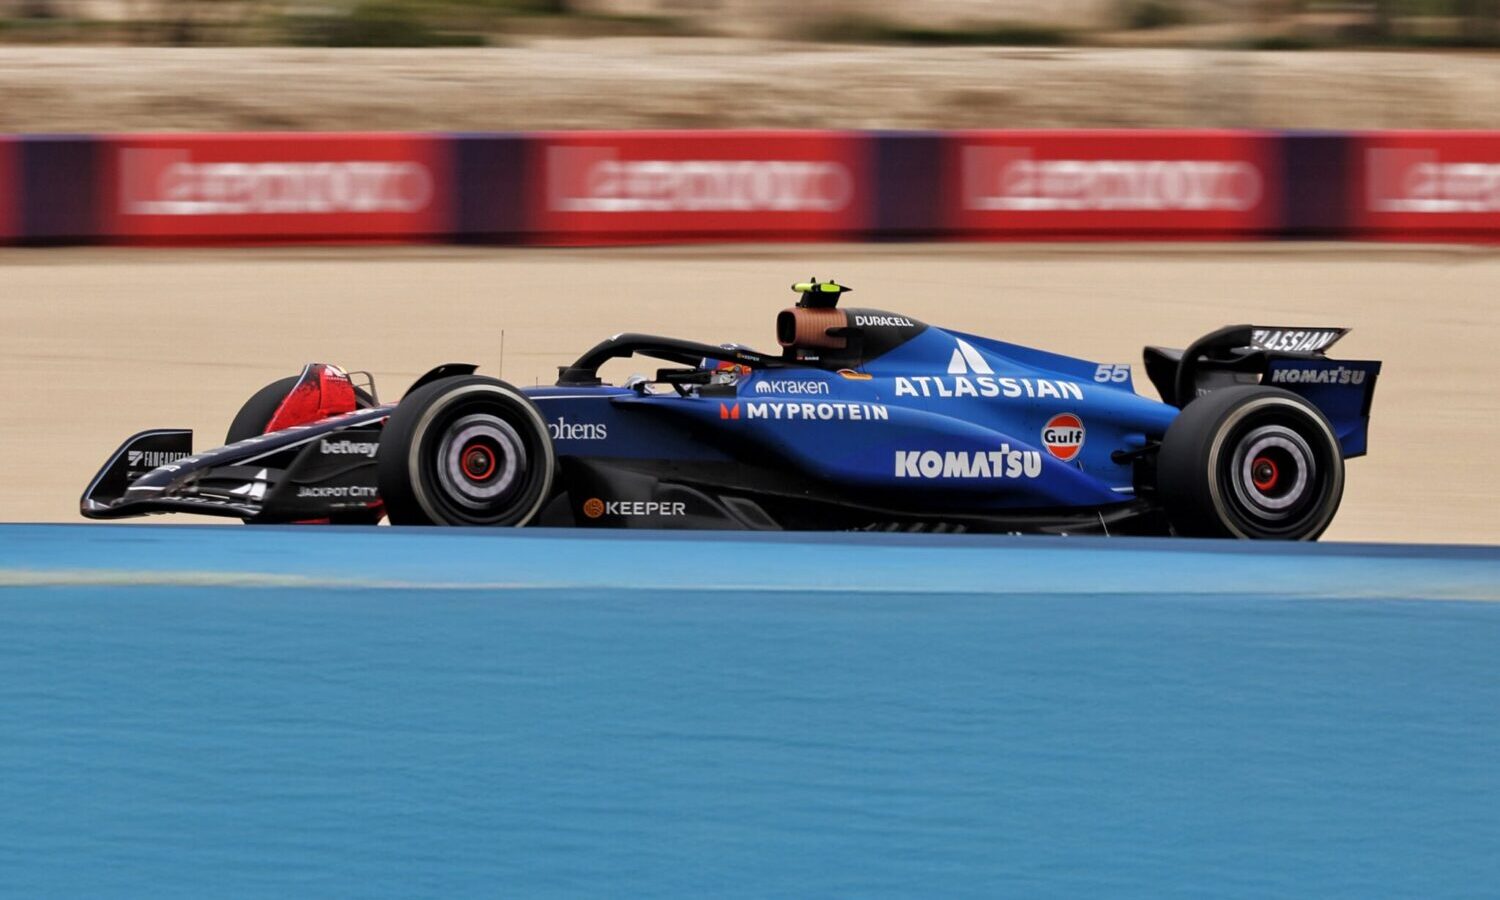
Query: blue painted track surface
206, 711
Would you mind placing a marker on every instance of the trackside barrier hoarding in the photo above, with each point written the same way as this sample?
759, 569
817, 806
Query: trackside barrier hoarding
58, 188
1112, 183
10, 187
276, 187
641, 187
489, 187
1426, 185
611, 187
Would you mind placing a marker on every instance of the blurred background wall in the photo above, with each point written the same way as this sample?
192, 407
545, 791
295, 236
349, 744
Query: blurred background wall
1267, 24
486, 65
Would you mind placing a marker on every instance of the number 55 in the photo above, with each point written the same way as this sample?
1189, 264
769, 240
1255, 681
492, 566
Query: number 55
1119, 374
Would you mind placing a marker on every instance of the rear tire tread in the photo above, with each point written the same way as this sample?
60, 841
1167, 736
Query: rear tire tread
1189, 466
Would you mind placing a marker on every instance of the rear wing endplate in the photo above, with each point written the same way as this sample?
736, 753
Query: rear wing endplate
1292, 358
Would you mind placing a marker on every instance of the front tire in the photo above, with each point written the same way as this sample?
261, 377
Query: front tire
255, 415
467, 450
1251, 462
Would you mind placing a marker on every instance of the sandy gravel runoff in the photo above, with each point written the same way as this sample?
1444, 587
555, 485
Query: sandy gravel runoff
732, 82
97, 344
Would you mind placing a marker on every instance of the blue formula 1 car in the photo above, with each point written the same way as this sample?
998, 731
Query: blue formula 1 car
866, 420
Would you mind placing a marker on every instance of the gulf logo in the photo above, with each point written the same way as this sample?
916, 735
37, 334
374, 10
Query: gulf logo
1063, 436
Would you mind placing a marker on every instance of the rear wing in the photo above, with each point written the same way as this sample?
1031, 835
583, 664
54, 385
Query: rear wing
1291, 358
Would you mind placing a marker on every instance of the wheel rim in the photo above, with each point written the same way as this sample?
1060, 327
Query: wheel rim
1273, 472
480, 461
478, 454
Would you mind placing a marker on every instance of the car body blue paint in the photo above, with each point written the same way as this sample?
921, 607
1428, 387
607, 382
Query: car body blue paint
954, 418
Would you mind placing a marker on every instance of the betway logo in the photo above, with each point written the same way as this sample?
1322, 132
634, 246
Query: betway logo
1415, 181
151, 459
790, 386
348, 448
823, 411
169, 183
593, 179
1008, 179
987, 386
1002, 463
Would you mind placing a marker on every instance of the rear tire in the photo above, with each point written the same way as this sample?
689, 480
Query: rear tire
467, 450
1250, 462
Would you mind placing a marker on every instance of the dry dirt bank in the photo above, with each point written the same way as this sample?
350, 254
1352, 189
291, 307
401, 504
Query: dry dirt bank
728, 82
96, 344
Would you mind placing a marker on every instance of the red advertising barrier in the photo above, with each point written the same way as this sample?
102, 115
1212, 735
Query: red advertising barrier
1125, 184
276, 187
1426, 184
603, 187
10, 190
627, 187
